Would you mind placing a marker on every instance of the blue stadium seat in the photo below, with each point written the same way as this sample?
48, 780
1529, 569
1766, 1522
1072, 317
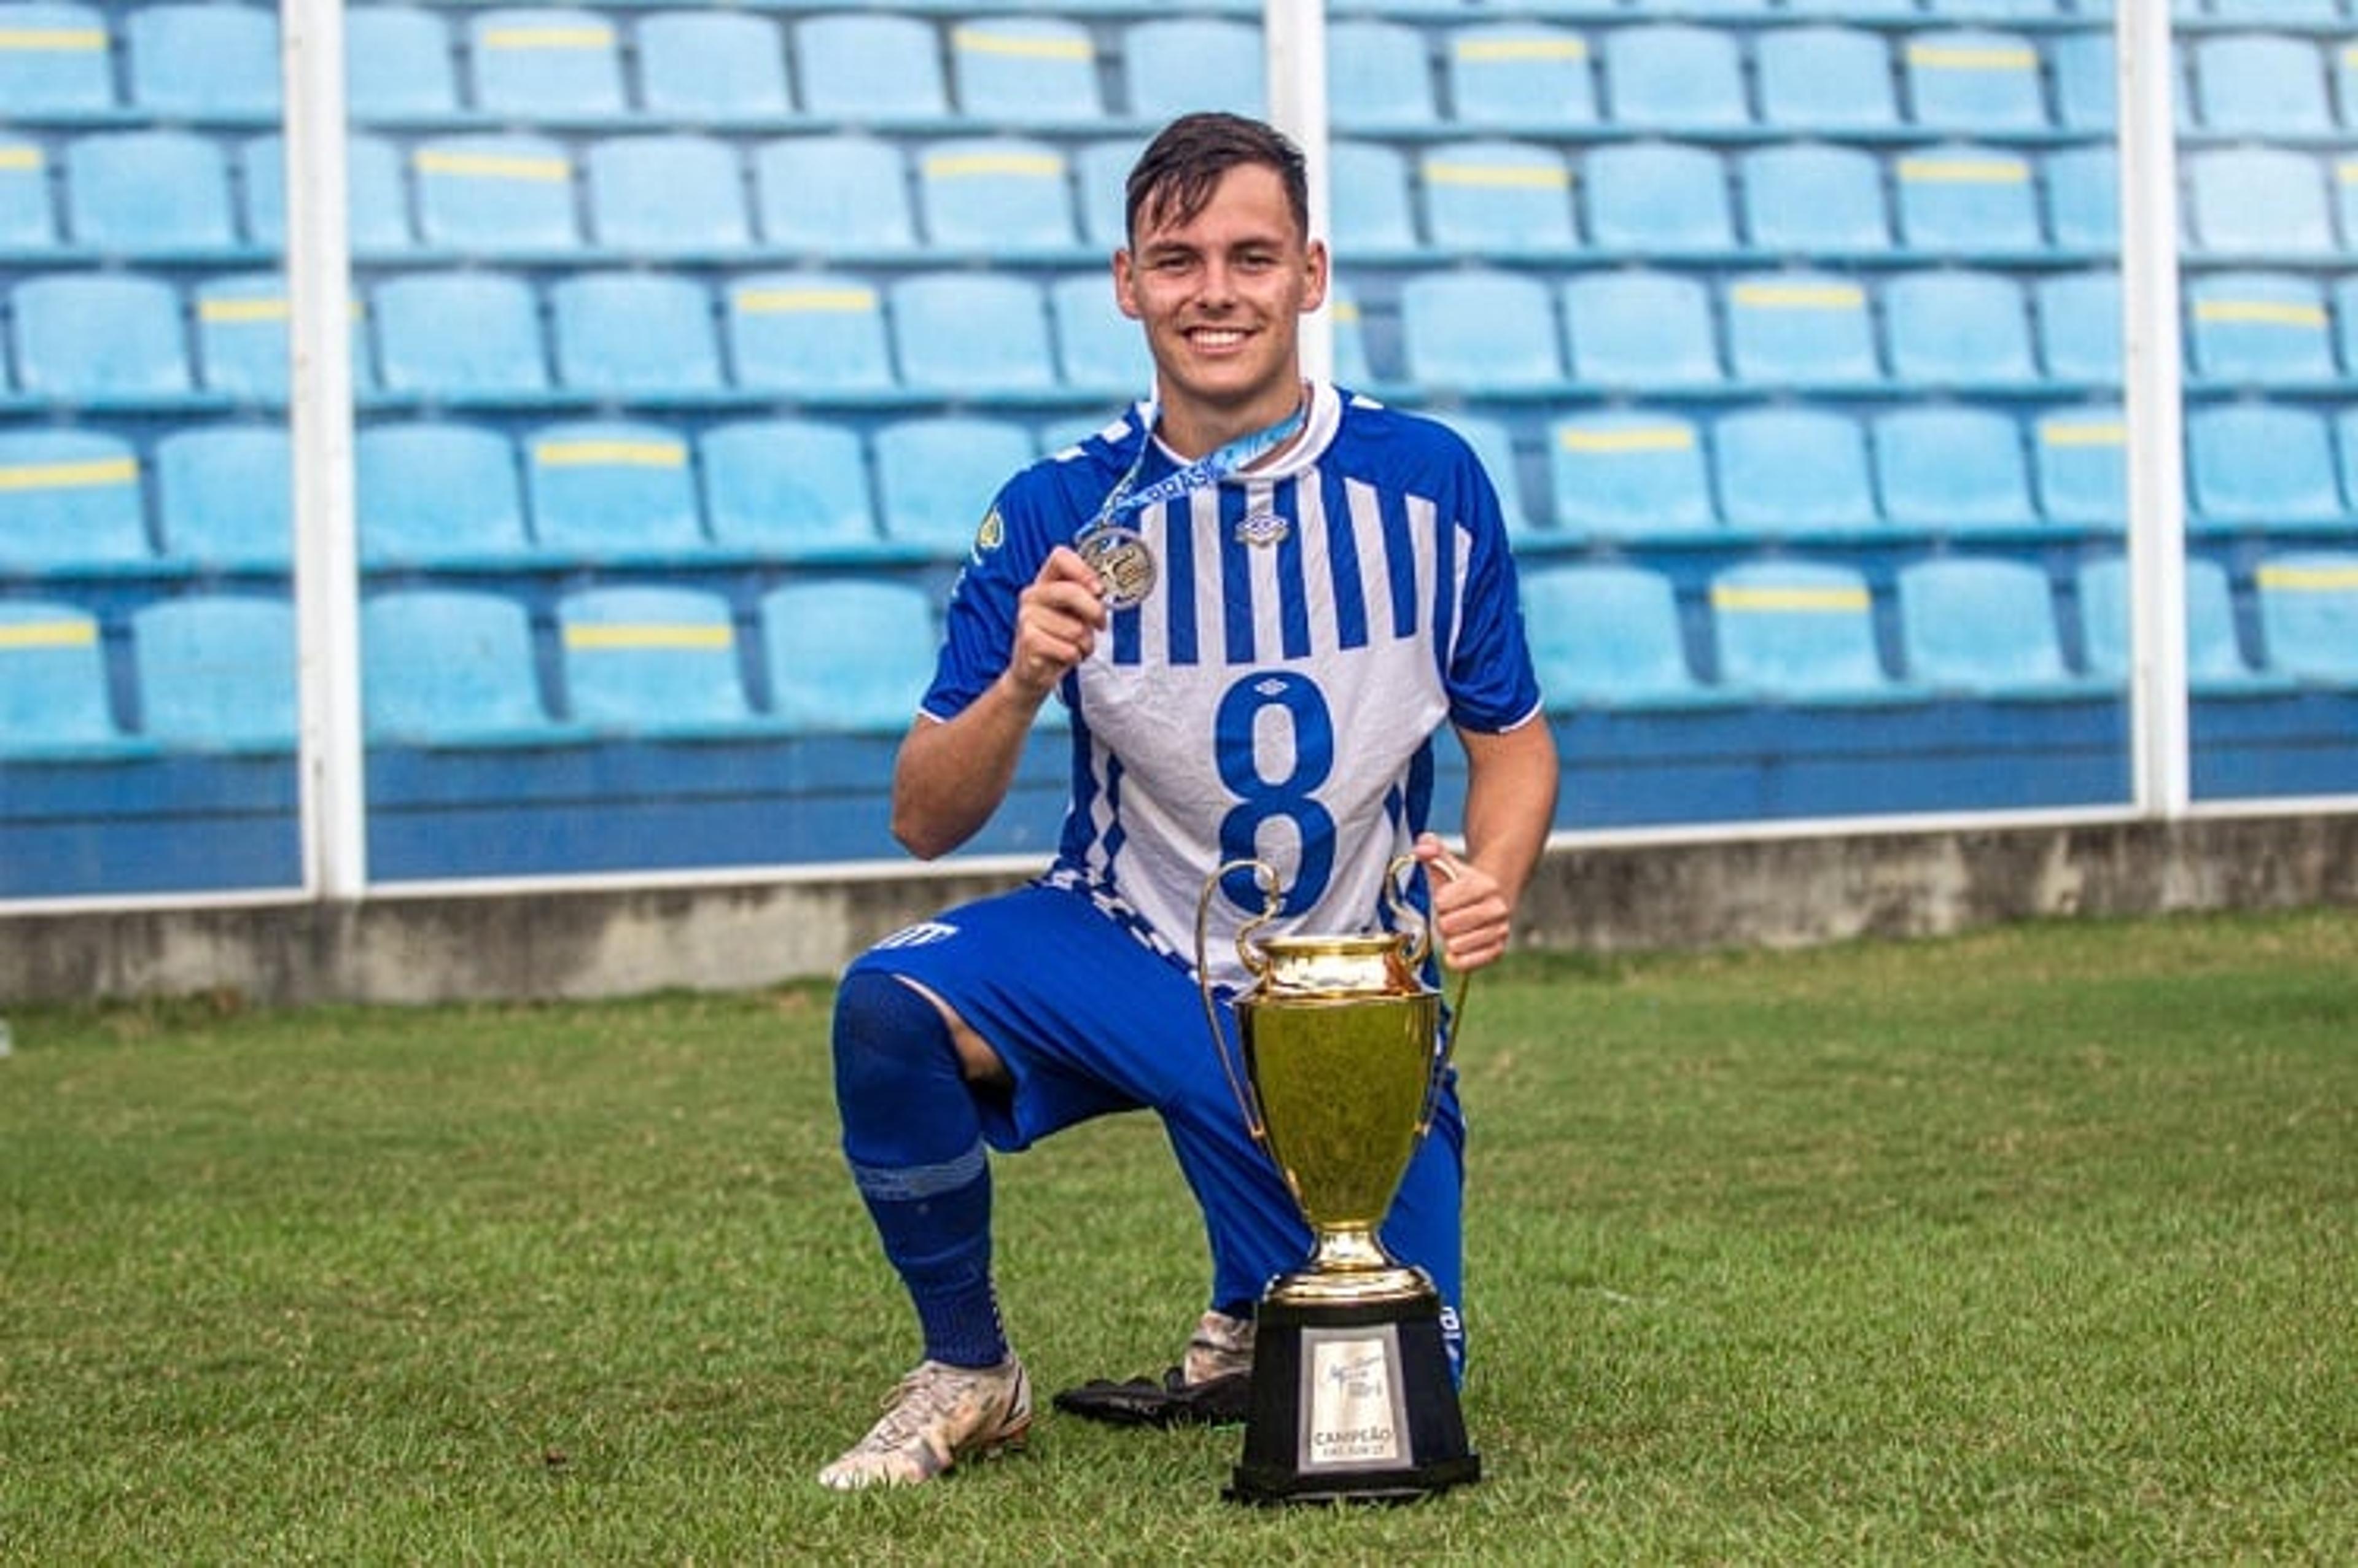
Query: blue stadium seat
458, 334
2258, 201
859, 66
149, 192
2087, 92
546, 63
807, 333
1812, 199
54, 61
1985, 626
848, 654
634, 334
972, 333
1494, 448
2259, 85
445, 667
216, 672
793, 490
2214, 657
935, 476
69, 498
1378, 76
398, 64
2079, 319
1972, 80
1800, 329
2272, 12
1101, 170
2258, 329
1606, 635
203, 60
376, 219
1826, 79
241, 336
1025, 71
53, 694
1958, 327
495, 194
1799, 631
1641, 329
1496, 197
1969, 200
1943, 468
1521, 75
2308, 614
1174, 64
611, 490
99, 337
1675, 76
1630, 474
834, 195
2080, 457
224, 497
666, 195
1370, 214
2083, 199
2266, 466
27, 215
712, 66
1658, 197
997, 196
651, 660
1793, 469
1480, 328
1096, 345
1352, 365
1859, 10
433, 493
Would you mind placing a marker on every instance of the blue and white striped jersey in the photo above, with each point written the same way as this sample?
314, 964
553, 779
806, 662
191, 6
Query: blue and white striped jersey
1310, 624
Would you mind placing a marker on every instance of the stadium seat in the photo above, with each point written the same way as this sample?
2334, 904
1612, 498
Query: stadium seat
2259, 85
224, 497
458, 334
1673, 76
2308, 614
538, 64
1811, 199
1943, 469
100, 338
666, 195
398, 63
936, 474
2083, 199
1800, 329
858, 66
241, 336
972, 333
1658, 197
2080, 458
1641, 329
611, 490
807, 333
1958, 329
1968, 200
1798, 631
203, 60
27, 216
2078, 320
2258, 201
848, 654
1630, 474
1096, 345
1171, 65
1025, 71
147, 193
1378, 77
1497, 197
1480, 328
54, 61
996, 196
1352, 366
53, 694
433, 494
2087, 93
1985, 626
712, 66
1789, 469
216, 672
1101, 170
1370, 214
2258, 329
1606, 635
1494, 448
69, 498
449, 667
634, 334
1518, 76
2214, 657
793, 490
834, 195
2266, 466
651, 660
2272, 12
1826, 79
1972, 80
495, 194
376, 217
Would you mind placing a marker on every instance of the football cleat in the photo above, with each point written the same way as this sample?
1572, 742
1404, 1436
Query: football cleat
938, 1415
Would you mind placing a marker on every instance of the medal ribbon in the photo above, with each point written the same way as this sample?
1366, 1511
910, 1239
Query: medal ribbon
1209, 469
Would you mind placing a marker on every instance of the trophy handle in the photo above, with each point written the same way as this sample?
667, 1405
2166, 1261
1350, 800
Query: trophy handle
1429, 941
1256, 964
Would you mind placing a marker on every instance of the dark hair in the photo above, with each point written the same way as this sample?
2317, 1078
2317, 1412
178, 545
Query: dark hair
1175, 176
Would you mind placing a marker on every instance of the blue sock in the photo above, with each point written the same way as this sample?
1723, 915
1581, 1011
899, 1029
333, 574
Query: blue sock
914, 1144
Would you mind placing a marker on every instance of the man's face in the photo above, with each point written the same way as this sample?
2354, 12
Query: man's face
1222, 296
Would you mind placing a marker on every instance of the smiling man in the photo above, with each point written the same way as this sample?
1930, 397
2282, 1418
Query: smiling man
1259, 598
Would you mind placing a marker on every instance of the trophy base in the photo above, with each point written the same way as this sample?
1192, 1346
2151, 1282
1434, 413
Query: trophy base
1352, 1403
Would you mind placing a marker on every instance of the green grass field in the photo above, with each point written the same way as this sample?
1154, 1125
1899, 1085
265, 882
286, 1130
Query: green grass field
2040, 1244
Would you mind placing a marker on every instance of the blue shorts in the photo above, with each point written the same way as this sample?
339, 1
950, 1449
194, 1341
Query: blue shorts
1091, 1022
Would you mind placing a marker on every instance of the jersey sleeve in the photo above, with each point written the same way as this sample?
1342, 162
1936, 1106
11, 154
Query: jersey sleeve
979, 630
1491, 683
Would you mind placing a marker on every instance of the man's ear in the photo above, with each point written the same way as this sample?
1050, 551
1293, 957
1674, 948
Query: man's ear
1125, 291
1314, 294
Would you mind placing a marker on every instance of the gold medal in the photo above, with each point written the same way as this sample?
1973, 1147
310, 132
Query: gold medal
1123, 563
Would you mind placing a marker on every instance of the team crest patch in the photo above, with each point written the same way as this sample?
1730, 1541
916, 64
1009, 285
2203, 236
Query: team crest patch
1262, 528
993, 532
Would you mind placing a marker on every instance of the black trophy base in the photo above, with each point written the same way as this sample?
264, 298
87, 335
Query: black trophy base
1352, 1403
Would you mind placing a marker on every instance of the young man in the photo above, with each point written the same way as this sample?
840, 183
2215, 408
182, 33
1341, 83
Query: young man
1258, 599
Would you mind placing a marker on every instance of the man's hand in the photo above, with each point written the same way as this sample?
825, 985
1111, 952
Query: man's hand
1470, 909
1057, 620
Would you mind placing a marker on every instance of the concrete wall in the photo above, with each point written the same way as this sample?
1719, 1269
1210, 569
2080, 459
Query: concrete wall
605, 942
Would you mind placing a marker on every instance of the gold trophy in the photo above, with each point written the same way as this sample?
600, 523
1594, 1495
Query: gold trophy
1343, 1061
